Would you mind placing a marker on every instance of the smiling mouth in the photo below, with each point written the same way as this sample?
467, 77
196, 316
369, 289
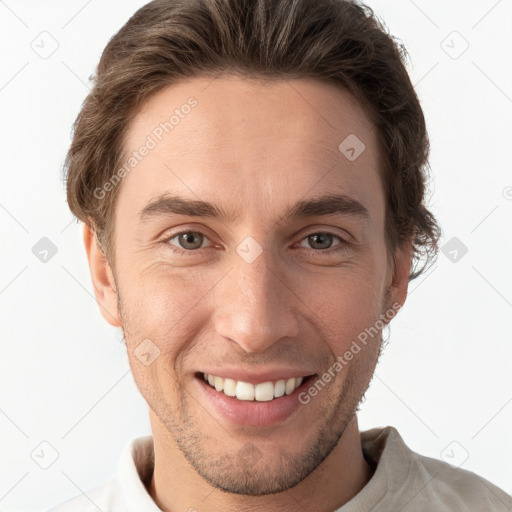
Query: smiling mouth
261, 392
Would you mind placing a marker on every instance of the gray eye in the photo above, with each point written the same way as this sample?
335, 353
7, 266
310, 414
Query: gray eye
320, 240
190, 239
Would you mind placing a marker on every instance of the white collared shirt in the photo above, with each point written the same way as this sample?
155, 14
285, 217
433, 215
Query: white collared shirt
403, 480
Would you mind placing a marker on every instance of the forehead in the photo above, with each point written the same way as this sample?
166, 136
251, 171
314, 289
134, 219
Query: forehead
252, 142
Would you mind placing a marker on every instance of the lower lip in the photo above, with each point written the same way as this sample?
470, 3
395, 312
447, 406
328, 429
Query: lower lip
252, 412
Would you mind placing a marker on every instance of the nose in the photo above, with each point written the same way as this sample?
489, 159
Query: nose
254, 304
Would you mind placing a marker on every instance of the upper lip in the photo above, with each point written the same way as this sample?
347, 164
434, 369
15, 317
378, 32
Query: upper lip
256, 377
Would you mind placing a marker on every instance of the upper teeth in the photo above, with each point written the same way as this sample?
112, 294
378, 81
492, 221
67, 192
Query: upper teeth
262, 392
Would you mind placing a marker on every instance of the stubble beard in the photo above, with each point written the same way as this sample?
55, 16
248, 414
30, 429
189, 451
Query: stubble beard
248, 471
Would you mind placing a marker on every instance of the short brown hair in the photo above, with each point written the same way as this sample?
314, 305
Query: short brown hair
339, 41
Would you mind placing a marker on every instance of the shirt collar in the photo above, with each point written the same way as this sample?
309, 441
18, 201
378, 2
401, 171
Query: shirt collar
383, 448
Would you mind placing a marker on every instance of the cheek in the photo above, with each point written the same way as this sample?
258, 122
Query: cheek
171, 306
347, 305
159, 325
163, 306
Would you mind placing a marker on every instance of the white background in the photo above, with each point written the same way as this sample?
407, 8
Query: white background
64, 377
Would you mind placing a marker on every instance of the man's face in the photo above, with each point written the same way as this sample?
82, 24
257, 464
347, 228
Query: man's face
260, 295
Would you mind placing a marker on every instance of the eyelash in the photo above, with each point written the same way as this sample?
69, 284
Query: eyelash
342, 246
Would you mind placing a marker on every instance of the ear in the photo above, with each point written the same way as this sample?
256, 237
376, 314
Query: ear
102, 278
400, 278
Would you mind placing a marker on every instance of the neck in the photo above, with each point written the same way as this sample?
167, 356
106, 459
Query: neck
175, 485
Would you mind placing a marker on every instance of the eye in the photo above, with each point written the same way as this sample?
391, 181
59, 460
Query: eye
322, 241
188, 241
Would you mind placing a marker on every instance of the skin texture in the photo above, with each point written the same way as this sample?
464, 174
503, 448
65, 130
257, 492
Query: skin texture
254, 149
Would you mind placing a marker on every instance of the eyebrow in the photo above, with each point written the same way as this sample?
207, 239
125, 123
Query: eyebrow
167, 205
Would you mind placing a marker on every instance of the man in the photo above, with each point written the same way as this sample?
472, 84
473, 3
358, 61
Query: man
251, 175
